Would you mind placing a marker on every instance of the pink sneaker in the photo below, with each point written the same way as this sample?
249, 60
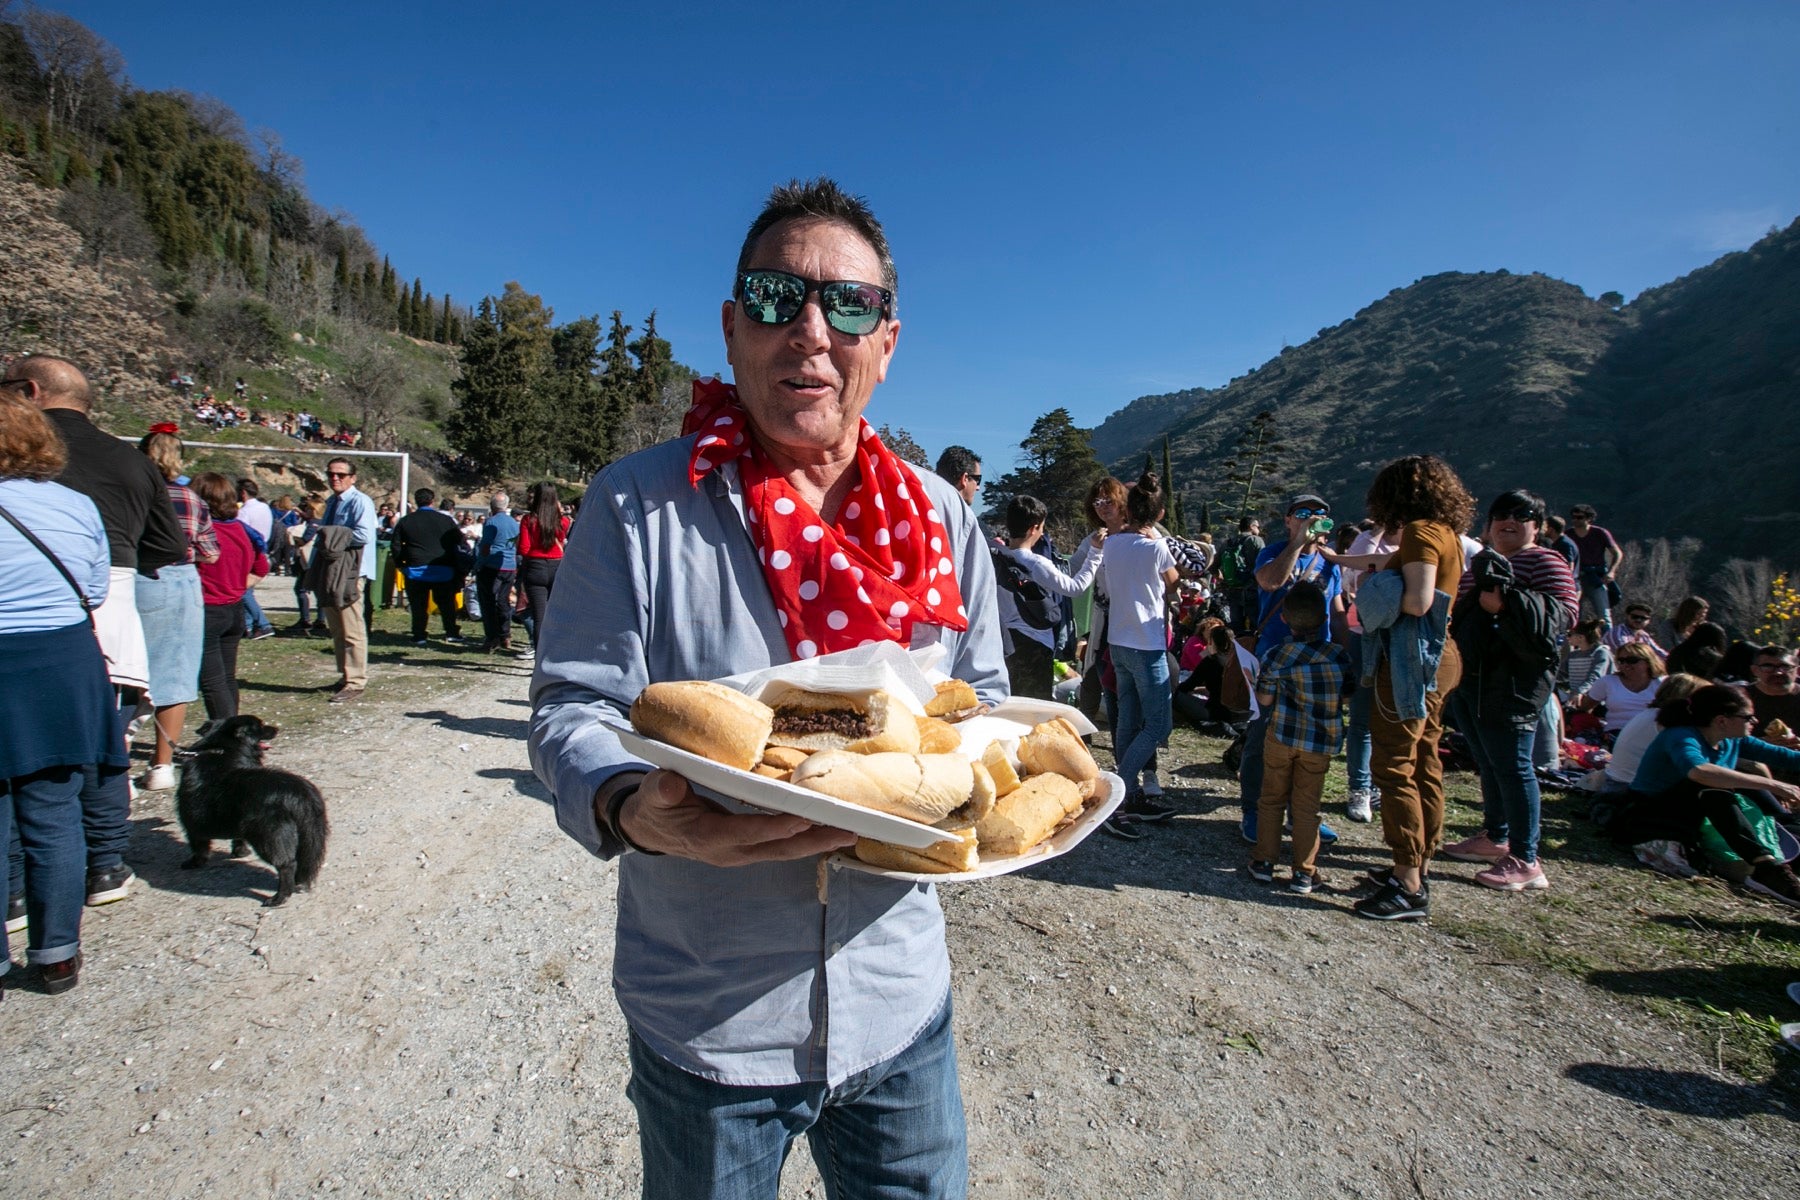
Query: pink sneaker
1479, 848
1513, 875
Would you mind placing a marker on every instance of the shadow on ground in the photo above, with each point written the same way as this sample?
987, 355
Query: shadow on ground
494, 727
524, 782
1685, 1092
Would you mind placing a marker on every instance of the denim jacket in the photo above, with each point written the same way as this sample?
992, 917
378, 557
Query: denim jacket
1413, 646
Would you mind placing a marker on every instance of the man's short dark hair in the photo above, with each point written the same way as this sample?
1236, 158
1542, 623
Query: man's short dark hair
247, 487
1774, 652
955, 462
423, 497
1554, 525
1244, 524
1583, 510
1024, 512
1303, 608
822, 199
448, 503
332, 462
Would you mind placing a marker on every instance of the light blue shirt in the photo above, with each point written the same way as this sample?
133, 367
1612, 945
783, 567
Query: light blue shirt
353, 510
34, 596
500, 543
739, 975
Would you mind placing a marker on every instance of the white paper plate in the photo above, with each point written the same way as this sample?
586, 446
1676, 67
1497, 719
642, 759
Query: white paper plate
1057, 844
718, 782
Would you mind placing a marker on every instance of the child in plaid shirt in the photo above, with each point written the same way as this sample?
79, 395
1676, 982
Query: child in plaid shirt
1303, 683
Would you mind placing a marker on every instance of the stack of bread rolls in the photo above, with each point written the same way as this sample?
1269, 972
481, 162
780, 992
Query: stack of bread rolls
872, 751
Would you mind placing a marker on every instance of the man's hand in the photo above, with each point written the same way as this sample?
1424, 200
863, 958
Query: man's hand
665, 815
1786, 794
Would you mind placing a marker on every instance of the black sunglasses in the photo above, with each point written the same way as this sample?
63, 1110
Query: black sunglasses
776, 298
1522, 514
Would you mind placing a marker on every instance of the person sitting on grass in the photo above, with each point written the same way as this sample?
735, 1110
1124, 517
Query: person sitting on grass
1701, 653
1628, 691
1219, 691
1628, 751
1302, 686
1695, 771
1585, 658
1634, 628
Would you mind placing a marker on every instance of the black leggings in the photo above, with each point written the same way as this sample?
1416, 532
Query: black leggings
537, 576
1676, 815
224, 629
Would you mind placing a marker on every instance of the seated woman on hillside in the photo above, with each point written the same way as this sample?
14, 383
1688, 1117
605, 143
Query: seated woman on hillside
1701, 652
1628, 691
1218, 690
1628, 751
1690, 773
1688, 614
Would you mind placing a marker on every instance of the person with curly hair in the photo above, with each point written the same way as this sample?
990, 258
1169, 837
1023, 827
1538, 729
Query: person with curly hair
1411, 665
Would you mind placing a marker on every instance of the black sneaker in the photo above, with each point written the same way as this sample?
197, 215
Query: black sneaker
421, 643
1124, 825
1303, 882
1262, 872
1775, 880
104, 887
15, 914
1146, 808
257, 635
1394, 903
1382, 876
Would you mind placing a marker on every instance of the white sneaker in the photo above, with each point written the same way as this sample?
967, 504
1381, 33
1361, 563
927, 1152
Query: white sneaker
1664, 856
159, 778
1361, 806
1152, 785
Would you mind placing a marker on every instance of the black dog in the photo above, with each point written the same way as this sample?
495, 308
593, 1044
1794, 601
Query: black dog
226, 792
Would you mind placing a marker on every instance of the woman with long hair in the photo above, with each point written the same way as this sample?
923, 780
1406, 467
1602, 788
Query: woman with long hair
56, 702
1105, 512
1701, 652
1139, 572
1629, 690
1688, 614
223, 583
541, 537
1691, 773
174, 614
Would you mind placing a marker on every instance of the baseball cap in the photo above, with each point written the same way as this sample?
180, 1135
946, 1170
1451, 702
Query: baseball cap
1307, 500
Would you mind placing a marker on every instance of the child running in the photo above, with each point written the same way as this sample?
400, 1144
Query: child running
1303, 683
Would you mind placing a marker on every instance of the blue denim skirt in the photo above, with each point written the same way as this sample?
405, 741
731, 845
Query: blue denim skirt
173, 612
56, 703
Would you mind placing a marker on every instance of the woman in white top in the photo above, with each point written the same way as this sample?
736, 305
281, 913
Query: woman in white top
1139, 571
1641, 730
1629, 691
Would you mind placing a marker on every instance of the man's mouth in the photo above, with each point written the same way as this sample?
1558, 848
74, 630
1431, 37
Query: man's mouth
805, 383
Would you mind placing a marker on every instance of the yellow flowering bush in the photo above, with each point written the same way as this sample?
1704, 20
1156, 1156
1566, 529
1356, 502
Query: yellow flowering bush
1781, 619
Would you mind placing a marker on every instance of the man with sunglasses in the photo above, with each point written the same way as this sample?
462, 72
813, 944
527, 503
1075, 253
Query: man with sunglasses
777, 528
1601, 558
1281, 565
349, 625
1635, 628
1774, 695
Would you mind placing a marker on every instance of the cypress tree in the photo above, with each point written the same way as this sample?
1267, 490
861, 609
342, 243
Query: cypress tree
371, 290
390, 285
1168, 482
246, 259
443, 330
342, 289
273, 267
428, 319
415, 314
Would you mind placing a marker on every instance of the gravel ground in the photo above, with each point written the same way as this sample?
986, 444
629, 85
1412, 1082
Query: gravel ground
1133, 1020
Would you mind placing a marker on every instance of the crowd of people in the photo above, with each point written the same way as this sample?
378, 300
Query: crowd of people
765, 999
220, 412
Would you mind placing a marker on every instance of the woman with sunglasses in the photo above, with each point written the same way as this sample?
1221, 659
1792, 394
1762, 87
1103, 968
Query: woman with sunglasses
1628, 691
1512, 606
1693, 772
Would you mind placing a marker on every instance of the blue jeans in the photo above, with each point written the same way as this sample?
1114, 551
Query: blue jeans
1357, 744
1509, 787
253, 613
1146, 713
46, 808
105, 816
1596, 601
894, 1131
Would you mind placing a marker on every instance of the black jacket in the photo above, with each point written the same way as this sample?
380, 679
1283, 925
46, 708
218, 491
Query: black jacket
1508, 659
427, 538
142, 529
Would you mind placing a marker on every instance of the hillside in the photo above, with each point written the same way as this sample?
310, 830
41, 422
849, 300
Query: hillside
1646, 411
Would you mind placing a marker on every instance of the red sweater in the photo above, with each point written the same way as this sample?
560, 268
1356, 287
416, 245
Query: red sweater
531, 547
224, 581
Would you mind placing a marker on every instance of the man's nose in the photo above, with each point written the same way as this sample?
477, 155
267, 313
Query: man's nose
810, 328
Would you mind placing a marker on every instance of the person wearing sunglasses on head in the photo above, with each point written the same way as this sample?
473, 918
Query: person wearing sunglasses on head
1279, 566
776, 529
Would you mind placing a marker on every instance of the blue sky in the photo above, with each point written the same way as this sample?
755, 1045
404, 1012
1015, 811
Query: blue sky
1087, 203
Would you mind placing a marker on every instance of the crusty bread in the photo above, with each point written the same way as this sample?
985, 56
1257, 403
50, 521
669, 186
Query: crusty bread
783, 758
1000, 768
708, 719
1055, 748
920, 787
981, 800
953, 696
938, 737
890, 725
939, 858
1028, 814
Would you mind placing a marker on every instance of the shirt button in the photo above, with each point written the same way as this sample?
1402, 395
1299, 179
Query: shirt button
836, 947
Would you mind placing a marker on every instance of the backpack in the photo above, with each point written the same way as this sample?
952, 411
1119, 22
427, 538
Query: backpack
1036, 606
1235, 566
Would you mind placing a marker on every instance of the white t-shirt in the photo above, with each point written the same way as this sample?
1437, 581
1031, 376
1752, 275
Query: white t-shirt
1622, 704
1133, 567
1246, 661
1369, 541
1045, 574
256, 514
1628, 751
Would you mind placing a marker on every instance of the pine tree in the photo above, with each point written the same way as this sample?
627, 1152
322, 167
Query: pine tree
618, 377
503, 418
343, 291
442, 333
416, 312
1058, 468
370, 293
390, 286
584, 434
653, 356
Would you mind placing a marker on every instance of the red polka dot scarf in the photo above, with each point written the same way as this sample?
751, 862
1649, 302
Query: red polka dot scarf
882, 566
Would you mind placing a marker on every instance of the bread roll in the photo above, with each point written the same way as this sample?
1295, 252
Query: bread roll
1000, 768
708, 719
953, 696
1055, 748
872, 724
783, 758
981, 800
1028, 814
939, 858
938, 737
920, 787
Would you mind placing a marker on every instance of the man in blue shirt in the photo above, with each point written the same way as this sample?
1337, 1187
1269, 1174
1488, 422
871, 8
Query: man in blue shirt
1280, 565
496, 571
349, 625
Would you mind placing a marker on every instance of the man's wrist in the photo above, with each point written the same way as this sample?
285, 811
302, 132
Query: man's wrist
609, 804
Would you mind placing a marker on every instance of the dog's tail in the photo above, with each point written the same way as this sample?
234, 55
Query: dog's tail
309, 856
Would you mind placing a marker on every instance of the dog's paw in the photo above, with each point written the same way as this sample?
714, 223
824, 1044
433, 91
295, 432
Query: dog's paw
240, 849
275, 901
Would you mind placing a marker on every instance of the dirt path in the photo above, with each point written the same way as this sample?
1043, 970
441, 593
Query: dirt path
1134, 1020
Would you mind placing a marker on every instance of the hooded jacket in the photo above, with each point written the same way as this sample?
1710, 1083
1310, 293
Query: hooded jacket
1509, 658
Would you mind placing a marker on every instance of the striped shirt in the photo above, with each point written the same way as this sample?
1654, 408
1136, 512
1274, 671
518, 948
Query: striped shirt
196, 525
1537, 569
1309, 681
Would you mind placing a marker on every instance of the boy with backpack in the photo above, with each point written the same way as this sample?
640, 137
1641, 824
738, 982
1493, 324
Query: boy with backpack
1302, 685
1237, 569
1027, 587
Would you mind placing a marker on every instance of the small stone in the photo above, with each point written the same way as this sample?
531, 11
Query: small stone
216, 1064
1116, 1078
